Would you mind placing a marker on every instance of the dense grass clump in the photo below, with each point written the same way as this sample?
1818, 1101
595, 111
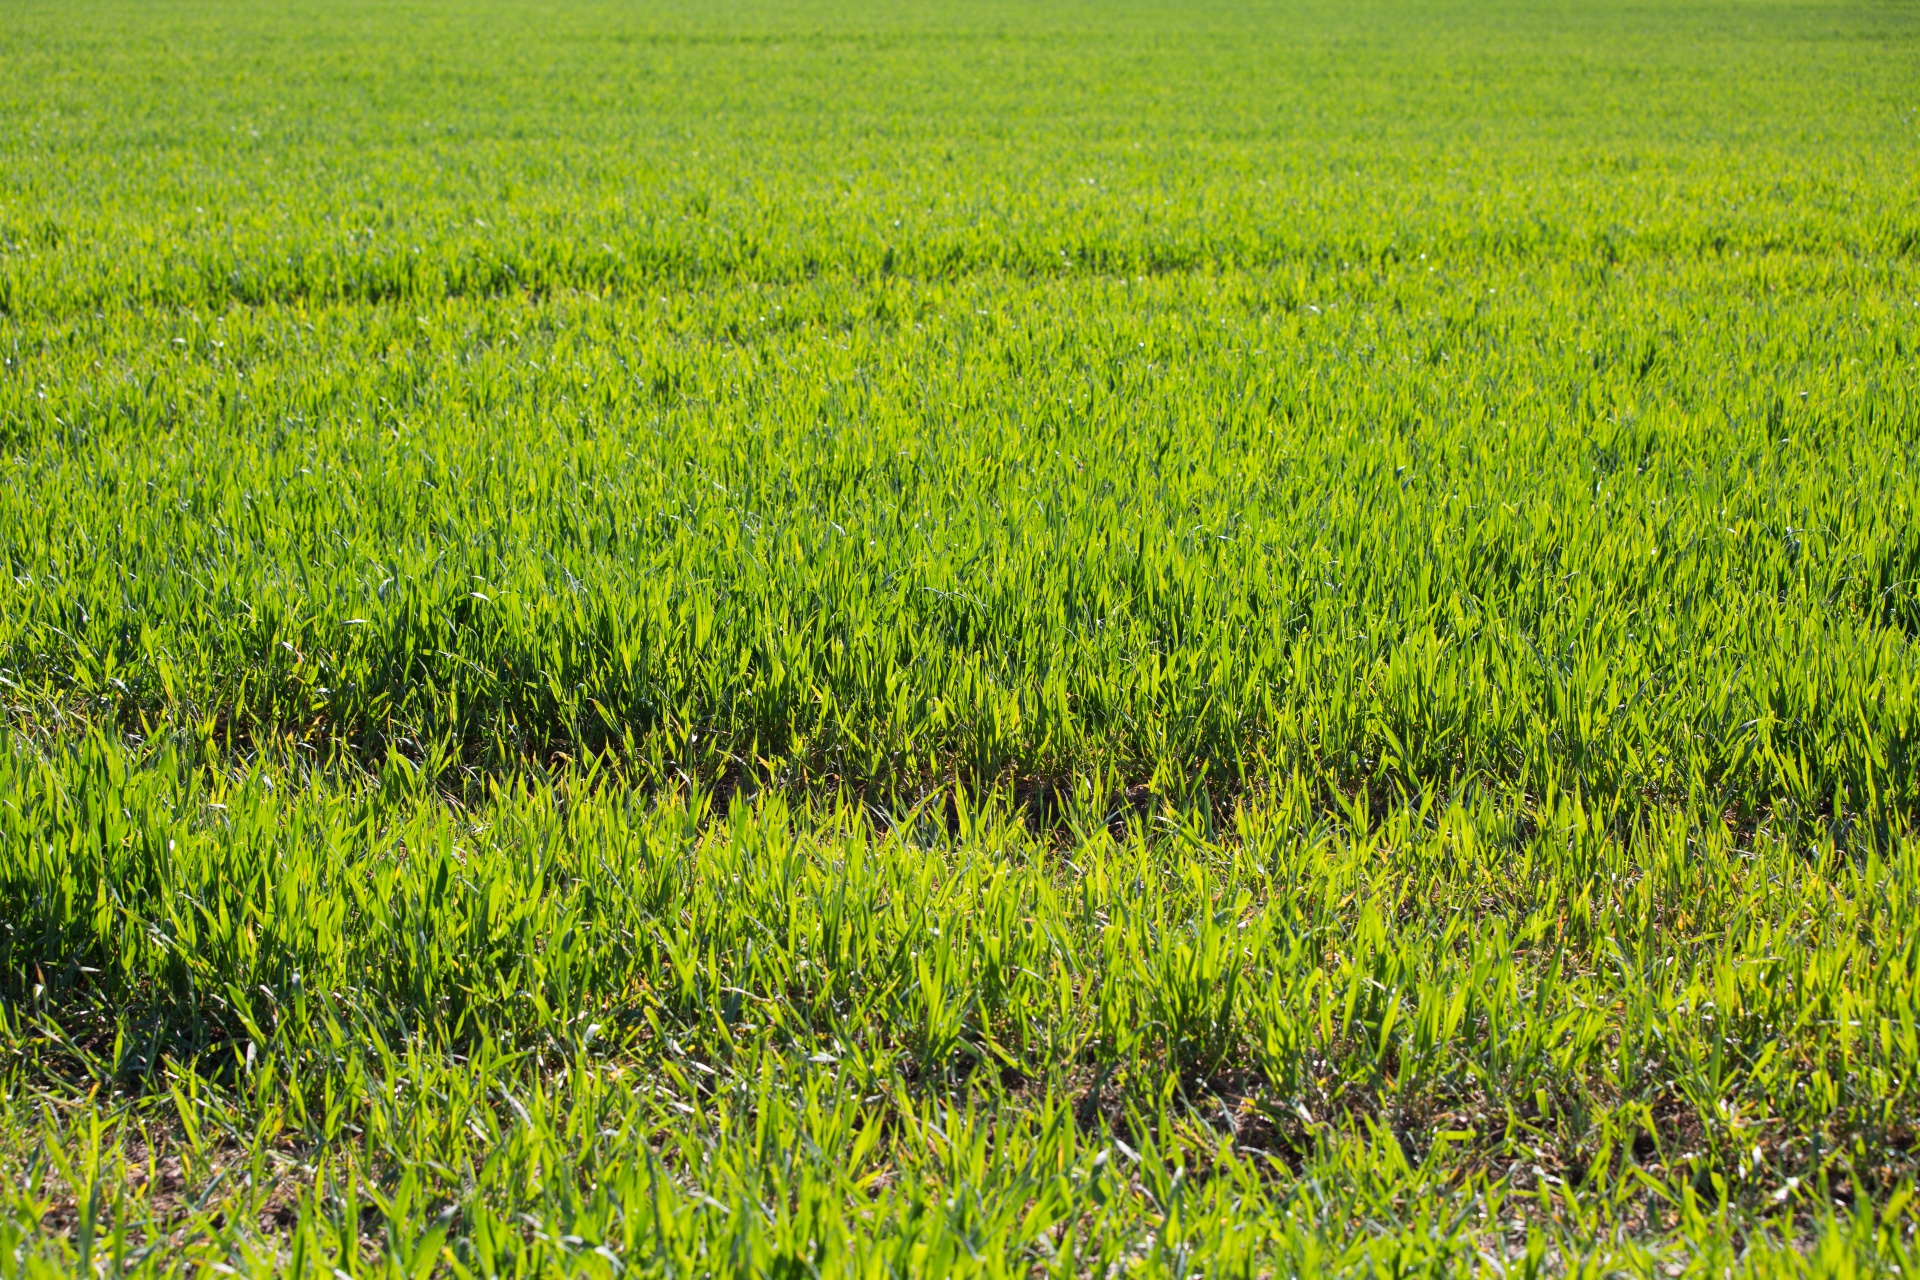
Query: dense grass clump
1081, 639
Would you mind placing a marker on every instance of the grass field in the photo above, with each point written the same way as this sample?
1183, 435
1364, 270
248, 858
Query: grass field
919, 639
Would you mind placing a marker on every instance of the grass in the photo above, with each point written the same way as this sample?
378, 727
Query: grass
907, 640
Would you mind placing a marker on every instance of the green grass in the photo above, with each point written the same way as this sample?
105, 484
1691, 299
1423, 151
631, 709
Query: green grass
931, 640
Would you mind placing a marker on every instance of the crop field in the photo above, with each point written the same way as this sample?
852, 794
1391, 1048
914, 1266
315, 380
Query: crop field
913, 639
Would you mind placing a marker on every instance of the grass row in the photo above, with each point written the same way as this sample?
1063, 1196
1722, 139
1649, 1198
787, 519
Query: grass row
208, 158
1644, 532
347, 1018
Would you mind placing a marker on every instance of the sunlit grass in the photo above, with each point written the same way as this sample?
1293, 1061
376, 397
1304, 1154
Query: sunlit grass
991, 641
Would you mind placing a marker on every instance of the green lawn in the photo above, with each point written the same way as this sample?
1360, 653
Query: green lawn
917, 639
